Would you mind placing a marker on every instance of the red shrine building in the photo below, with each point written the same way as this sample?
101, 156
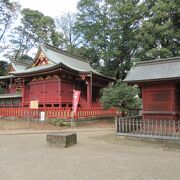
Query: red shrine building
50, 80
159, 81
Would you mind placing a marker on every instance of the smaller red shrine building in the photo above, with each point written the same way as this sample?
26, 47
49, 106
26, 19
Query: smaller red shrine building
50, 80
159, 81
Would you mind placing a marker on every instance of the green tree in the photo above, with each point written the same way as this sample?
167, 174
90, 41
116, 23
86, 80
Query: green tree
3, 68
8, 14
121, 95
90, 54
3, 72
91, 25
110, 27
35, 29
159, 36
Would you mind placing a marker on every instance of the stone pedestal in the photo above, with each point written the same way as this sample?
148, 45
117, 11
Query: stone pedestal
63, 139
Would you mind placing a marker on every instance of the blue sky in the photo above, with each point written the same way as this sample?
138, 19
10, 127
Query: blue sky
51, 8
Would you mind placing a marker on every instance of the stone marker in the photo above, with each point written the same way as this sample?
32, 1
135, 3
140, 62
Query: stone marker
63, 139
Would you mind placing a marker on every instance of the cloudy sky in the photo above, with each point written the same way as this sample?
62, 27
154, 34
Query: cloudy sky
51, 8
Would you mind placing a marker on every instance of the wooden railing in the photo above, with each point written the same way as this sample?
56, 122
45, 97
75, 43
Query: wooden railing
65, 113
49, 100
134, 126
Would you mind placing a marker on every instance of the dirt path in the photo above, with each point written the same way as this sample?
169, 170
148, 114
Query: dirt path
99, 155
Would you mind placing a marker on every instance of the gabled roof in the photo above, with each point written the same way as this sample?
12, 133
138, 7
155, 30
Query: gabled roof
18, 66
14, 66
154, 70
58, 57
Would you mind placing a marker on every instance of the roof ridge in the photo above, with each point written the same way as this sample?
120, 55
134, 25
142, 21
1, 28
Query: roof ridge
58, 50
159, 61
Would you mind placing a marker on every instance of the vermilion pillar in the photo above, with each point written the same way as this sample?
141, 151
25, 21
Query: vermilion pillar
60, 89
23, 92
89, 99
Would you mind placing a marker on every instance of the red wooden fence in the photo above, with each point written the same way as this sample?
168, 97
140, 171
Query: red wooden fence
57, 112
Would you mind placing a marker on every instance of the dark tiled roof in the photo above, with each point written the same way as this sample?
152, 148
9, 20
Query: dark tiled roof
162, 69
67, 59
60, 57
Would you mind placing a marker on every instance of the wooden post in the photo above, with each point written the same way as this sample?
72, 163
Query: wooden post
88, 93
59, 89
89, 90
10, 85
173, 101
116, 128
137, 120
23, 92
174, 128
122, 125
44, 95
143, 101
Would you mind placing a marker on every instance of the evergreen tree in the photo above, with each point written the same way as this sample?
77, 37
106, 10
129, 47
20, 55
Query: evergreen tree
121, 95
35, 29
159, 36
110, 27
3, 68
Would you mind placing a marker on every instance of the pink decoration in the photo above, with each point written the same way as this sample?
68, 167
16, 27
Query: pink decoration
76, 96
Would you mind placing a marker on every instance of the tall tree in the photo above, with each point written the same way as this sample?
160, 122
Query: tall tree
65, 26
125, 23
35, 29
110, 28
159, 36
92, 26
8, 13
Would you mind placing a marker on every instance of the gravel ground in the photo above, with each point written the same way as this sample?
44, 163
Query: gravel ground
99, 155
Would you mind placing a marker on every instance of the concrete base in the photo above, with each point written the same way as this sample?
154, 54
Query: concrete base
62, 140
150, 138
